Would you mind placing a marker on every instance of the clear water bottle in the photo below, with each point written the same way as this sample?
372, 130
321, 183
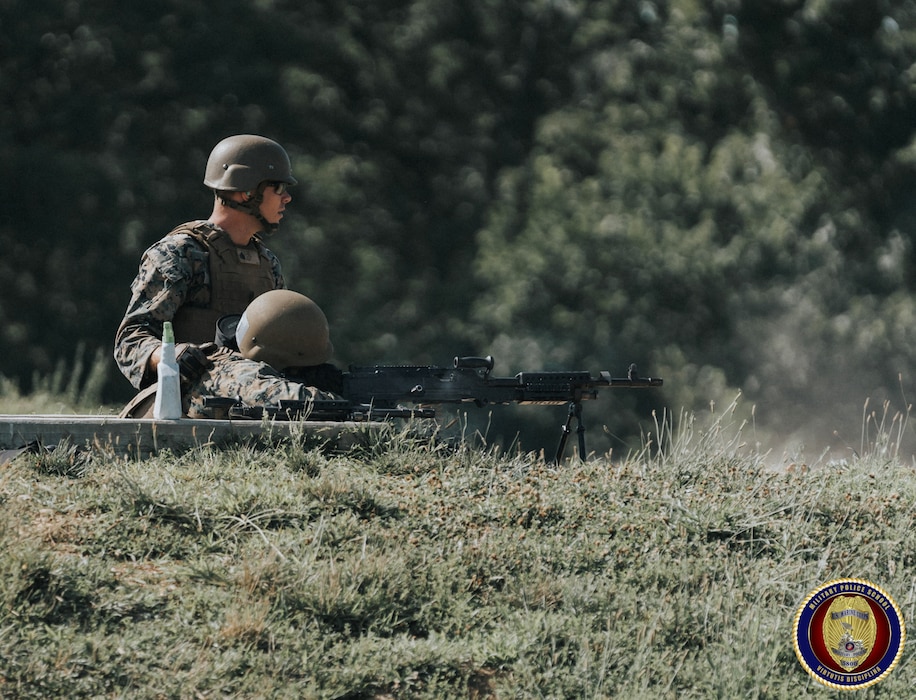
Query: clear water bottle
168, 388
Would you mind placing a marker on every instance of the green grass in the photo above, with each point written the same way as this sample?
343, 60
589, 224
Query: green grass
412, 568
74, 387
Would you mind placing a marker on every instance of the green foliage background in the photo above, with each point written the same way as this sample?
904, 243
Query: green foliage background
718, 190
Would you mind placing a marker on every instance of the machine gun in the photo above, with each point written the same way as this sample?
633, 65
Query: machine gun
380, 391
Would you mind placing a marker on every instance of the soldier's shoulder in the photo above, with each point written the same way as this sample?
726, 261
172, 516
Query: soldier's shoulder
193, 231
268, 253
187, 235
264, 250
177, 248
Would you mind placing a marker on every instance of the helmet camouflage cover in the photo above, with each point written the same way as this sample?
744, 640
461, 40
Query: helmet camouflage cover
284, 329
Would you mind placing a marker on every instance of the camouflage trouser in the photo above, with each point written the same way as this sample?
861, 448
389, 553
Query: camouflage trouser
234, 376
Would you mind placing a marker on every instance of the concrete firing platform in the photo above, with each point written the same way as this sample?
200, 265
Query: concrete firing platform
142, 436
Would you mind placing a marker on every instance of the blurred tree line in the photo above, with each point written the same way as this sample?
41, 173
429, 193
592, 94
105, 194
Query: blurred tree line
719, 190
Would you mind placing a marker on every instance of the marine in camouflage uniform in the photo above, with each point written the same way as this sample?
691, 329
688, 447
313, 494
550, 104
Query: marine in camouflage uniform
203, 270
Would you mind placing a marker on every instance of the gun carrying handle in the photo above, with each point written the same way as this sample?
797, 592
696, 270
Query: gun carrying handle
474, 363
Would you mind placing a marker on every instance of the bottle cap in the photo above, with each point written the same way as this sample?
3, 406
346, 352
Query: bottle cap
168, 335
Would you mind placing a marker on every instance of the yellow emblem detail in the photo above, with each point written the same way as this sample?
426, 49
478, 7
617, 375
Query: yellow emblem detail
849, 630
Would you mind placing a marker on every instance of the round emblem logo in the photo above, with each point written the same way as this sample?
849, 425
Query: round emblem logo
849, 634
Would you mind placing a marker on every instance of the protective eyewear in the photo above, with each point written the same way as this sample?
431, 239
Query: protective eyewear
279, 187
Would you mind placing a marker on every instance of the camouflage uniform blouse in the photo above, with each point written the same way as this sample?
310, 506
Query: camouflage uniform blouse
172, 271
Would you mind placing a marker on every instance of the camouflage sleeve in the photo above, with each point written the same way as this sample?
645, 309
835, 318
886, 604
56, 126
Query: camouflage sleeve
275, 268
161, 286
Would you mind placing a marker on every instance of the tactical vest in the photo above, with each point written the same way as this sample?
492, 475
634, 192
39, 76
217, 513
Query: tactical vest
236, 275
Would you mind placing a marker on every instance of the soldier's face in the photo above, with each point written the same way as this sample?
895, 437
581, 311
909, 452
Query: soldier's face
273, 204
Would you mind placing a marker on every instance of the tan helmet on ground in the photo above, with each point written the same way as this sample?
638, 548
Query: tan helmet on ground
284, 329
241, 163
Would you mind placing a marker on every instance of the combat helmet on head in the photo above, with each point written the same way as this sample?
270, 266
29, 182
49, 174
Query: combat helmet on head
248, 163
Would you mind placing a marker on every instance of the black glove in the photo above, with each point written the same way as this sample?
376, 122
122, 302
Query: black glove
192, 362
